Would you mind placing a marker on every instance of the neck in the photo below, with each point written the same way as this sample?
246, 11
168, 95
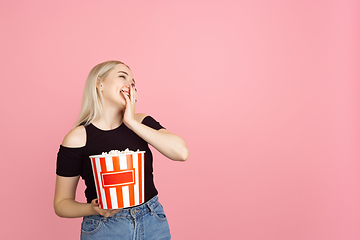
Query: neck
110, 119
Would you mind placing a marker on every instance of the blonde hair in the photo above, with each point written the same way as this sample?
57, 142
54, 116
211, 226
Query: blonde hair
92, 102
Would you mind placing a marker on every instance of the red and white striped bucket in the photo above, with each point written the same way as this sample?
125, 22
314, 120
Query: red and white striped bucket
119, 179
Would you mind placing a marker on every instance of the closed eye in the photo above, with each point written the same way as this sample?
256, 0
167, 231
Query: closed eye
122, 76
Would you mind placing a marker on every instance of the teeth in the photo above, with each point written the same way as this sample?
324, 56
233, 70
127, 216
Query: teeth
125, 92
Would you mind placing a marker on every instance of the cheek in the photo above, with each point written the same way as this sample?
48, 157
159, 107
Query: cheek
111, 86
108, 92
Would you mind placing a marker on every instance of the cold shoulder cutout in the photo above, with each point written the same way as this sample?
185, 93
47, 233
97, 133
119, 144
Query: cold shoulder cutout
75, 138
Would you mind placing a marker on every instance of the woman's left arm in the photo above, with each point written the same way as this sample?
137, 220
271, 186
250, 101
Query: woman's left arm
167, 143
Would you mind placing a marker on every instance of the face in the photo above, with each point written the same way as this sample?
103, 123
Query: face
119, 78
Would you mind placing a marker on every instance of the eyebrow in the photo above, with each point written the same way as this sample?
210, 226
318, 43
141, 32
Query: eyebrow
123, 72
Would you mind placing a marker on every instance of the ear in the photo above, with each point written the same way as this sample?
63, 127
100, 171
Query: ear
98, 84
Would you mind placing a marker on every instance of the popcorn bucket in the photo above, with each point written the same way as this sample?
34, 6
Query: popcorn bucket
119, 179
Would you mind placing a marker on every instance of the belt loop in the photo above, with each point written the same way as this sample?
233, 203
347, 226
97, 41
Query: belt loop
150, 207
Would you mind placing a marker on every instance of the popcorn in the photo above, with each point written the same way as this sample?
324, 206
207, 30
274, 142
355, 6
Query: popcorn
117, 152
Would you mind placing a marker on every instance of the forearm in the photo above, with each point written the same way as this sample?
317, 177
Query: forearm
168, 144
69, 208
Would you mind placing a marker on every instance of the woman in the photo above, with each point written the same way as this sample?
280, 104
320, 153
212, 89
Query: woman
108, 122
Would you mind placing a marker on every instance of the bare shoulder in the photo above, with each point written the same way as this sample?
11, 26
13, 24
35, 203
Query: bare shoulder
75, 138
140, 117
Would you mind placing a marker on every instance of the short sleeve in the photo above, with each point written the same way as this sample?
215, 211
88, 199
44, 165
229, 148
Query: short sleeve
151, 122
69, 161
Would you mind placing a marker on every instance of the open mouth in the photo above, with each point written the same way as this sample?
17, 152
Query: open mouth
126, 92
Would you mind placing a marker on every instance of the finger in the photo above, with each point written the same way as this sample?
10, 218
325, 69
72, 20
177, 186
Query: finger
110, 212
106, 214
113, 212
132, 97
125, 96
135, 94
95, 202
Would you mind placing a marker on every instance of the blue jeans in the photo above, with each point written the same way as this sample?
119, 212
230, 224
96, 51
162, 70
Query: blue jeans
146, 221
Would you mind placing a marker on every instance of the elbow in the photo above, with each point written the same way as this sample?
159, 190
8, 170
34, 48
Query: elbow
177, 150
57, 211
58, 214
182, 155
185, 155
61, 213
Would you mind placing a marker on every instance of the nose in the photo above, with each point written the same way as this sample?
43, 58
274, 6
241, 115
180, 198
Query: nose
126, 88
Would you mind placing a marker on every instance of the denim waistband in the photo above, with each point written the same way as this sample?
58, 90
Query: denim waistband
137, 210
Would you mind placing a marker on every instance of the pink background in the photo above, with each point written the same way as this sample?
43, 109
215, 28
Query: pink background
266, 94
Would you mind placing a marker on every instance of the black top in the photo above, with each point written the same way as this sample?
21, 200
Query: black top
75, 161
